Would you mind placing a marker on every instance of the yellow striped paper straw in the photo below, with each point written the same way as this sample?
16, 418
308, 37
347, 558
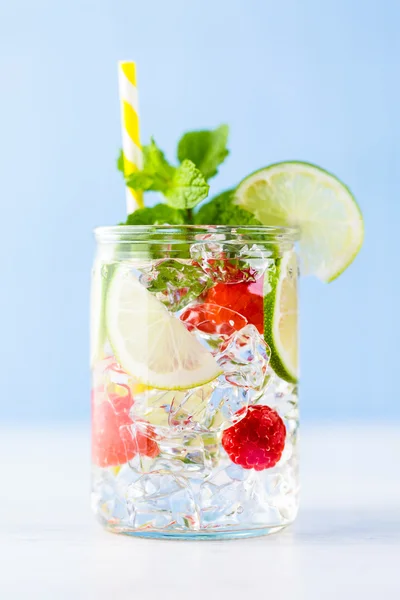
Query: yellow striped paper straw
130, 129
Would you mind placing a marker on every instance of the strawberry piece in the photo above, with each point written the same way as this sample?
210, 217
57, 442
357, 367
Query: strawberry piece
257, 441
244, 298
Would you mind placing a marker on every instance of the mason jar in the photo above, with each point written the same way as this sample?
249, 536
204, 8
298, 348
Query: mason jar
194, 357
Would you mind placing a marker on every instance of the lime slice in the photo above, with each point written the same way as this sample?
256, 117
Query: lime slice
151, 344
281, 316
303, 195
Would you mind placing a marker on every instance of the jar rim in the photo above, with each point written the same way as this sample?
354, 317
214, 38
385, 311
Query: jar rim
194, 233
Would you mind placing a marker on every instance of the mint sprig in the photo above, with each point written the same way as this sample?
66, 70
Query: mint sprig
157, 173
183, 187
207, 148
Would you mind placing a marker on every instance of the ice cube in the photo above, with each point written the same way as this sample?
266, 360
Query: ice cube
230, 501
154, 406
162, 500
236, 472
188, 410
125, 476
175, 283
279, 488
245, 358
209, 408
228, 263
196, 453
257, 259
107, 500
212, 324
224, 502
282, 397
225, 406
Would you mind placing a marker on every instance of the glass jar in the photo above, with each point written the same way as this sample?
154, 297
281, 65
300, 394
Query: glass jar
194, 371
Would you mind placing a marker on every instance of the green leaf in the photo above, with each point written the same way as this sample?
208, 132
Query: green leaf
183, 186
155, 163
120, 162
221, 211
160, 214
206, 148
188, 186
157, 173
141, 180
177, 284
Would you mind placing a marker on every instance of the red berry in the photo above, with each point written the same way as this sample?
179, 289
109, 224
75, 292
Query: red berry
213, 319
257, 441
146, 446
115, 440
244, 298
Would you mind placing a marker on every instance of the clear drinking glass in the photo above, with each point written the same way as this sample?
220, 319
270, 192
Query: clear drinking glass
194, 371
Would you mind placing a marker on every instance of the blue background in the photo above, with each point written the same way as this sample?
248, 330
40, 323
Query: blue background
295, 79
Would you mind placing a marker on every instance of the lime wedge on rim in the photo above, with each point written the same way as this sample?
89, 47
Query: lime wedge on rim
281, 317
302, 195
149, 342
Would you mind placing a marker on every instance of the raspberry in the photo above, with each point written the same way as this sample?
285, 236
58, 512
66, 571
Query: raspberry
257, 441
115, 442
244, 298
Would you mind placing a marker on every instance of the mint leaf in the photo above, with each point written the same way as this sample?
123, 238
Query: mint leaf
183, 186
176, 284
120, 162
206, 148
187, 187
157, 173
141, 180
155, 163
160, 214
221, 211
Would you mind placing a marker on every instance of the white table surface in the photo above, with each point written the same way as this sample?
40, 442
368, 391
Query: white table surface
345, 544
